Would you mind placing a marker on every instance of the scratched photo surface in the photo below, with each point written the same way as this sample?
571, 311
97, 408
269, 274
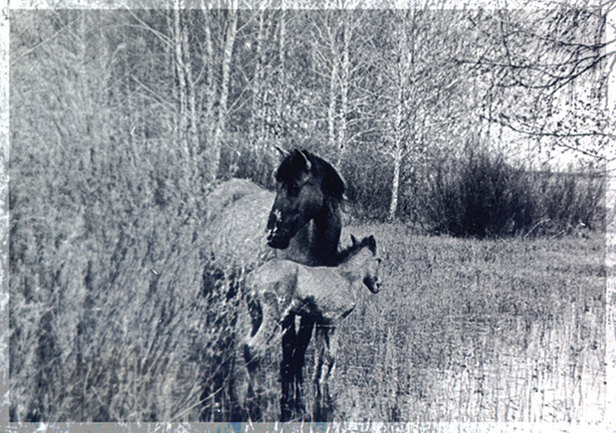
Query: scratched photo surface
276, 214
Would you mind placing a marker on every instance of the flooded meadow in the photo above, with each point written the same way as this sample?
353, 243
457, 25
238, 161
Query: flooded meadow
467, 330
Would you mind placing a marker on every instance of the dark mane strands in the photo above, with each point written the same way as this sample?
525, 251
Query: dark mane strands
332, 184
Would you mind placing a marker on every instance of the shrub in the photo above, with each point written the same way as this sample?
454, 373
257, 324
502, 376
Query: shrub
481, 195
569, 201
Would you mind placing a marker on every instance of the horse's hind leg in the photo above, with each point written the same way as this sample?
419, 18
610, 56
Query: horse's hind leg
267, 330
263, 338
286, 370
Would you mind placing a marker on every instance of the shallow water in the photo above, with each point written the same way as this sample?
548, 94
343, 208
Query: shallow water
492, 370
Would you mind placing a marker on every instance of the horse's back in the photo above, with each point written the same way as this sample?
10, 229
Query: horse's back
237, 215
228, 192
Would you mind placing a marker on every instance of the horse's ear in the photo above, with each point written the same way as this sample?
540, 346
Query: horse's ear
306, 160
301, 161
283, 153
353, 240
372, 243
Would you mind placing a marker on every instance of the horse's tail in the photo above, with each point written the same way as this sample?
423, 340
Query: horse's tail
265, 314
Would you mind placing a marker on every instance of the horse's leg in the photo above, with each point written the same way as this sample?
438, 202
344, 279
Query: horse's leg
286, 371
302, 339
264, 337
257, 344
330, 358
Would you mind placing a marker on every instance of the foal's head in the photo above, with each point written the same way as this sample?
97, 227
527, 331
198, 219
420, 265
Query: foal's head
305, 185
363, 260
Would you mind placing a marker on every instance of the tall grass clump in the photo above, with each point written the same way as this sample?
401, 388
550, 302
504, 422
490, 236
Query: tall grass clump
481, 195
118, 309
114, 315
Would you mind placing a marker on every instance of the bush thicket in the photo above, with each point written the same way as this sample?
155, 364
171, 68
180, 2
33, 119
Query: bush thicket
481, 195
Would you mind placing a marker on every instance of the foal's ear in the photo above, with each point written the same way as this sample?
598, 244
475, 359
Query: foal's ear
353, 240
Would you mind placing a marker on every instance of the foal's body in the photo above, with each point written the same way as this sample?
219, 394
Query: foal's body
324, 293
285, 289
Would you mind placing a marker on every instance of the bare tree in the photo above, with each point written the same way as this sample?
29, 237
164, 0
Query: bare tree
422, 84
548, 69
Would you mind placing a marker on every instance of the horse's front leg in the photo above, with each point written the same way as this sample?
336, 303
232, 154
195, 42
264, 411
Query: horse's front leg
319, 354
302, 339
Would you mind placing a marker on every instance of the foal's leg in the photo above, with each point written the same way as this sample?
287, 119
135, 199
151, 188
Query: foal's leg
327, 346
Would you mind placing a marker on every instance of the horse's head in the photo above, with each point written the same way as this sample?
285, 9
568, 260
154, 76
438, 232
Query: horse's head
305, 183
366, 261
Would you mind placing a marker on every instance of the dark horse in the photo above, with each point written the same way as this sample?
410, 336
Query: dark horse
303, 225
307, 210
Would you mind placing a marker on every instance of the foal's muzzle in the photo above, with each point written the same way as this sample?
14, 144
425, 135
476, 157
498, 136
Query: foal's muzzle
373, 284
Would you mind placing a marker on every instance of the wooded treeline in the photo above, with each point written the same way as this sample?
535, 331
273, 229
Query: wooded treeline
387, 95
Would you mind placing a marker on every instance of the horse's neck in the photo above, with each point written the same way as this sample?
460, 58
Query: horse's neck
326, 235
316, 243
299, 247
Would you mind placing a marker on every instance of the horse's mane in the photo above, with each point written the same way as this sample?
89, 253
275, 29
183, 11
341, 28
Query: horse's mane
332, 184
347, 253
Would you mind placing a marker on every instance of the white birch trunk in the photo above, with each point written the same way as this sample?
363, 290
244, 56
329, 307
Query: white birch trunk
181, 87
257, 80
210, 87
281, 60
192, 130
344, 94
214, 153
395, 185
331, 112
397, 156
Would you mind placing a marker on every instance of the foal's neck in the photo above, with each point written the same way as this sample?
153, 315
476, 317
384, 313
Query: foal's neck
351, 269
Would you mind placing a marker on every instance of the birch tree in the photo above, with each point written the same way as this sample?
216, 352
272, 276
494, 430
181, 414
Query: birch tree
229, 42
340, 48
423, 93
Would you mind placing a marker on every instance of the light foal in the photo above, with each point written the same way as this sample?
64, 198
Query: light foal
326, 294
